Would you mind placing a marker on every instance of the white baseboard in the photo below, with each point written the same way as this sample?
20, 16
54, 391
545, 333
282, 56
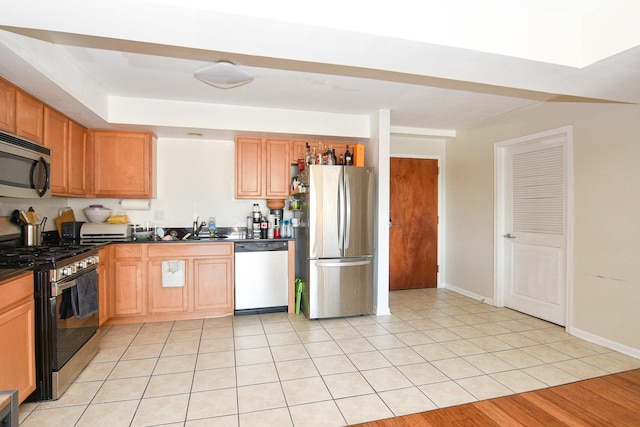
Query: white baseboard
596, 339
466, 293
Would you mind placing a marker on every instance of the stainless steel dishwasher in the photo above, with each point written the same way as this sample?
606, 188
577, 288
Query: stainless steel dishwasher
261, 277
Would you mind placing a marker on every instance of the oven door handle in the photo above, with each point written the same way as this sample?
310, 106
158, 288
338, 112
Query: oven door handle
58, 289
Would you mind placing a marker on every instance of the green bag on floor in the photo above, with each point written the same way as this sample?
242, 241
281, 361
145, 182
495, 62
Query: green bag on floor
299, 286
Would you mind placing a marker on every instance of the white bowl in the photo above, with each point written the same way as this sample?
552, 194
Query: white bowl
97, 214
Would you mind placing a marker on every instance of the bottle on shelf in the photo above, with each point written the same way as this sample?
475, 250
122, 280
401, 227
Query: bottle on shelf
319, 154
348, 158
307, 154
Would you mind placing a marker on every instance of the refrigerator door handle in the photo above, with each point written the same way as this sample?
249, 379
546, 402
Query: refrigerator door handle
342, 264
347, 226
341, 213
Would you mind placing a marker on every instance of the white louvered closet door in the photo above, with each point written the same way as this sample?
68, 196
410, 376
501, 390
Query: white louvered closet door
536, 184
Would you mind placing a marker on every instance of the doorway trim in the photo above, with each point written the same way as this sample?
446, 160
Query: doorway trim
441, 216
500, 157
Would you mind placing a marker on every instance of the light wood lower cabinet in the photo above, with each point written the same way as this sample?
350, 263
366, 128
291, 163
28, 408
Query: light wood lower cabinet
165, 299
17, 341
211, 284
128, 280
104, 275
139, 294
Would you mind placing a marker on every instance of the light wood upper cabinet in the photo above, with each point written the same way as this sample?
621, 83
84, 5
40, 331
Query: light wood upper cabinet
123, 164
249, 168
29, 117
7, 106
298, 150
17, 340
56, 137
67, 140
77, 160
262, 168
278, 171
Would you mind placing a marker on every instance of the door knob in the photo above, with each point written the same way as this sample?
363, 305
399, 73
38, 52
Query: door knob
509, 236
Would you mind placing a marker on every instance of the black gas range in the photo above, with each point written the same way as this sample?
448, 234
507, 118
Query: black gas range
66, 310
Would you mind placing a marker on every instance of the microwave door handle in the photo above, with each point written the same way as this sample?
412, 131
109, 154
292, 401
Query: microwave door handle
47, 176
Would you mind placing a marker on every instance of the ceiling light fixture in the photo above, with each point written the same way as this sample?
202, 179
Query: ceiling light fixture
223, 75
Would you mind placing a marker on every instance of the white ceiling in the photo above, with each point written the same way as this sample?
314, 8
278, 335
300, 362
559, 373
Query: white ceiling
437, 66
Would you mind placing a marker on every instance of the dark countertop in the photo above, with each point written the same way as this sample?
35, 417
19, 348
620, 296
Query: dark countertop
205, 240
8, 273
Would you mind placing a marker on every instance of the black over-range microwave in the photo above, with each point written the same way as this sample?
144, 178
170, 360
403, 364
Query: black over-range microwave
25, 168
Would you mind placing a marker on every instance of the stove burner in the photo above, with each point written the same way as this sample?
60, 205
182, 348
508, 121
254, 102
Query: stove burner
39, 255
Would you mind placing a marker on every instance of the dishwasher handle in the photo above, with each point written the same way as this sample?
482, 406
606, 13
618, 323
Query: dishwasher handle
261, 246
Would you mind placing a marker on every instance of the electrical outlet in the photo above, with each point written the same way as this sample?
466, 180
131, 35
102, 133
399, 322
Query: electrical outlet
158, 215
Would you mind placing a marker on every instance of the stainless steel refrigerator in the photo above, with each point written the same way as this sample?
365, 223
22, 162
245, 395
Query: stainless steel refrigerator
335, 242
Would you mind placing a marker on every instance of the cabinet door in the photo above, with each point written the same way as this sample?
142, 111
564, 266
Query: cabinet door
164, 300
76, 159
104, 298
127, 287
7, 106
298, 150
29, 117
123, 164
56, 133
249, 168
278, 169
17, 367
213, 284
17, 342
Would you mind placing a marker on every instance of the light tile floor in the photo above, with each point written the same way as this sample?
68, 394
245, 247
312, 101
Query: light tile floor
437, 349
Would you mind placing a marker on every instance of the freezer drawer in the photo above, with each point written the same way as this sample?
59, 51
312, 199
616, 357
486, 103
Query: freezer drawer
339, 287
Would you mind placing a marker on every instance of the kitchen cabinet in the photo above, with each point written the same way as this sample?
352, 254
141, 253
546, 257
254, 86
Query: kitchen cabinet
123, 164
165, 299
56, 136
138, 297
76, 160
213, 284
128, 280
104, 274
298, 148
262, 168
67, 140
7, 106
29, 117
17, 340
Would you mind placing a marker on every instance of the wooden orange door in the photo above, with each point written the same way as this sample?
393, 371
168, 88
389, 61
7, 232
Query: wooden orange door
413, 246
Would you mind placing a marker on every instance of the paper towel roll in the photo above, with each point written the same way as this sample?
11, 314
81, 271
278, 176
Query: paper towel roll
136, 204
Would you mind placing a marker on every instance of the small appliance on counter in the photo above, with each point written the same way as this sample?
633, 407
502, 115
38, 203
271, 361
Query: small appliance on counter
103, 232
71, 231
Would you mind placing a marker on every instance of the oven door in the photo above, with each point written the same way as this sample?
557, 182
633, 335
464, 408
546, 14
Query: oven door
75, 322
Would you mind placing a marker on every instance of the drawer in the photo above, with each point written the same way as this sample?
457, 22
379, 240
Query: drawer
14, 290
182, 250
128, 251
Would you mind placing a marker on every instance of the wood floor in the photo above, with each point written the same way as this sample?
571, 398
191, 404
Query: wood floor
611, 400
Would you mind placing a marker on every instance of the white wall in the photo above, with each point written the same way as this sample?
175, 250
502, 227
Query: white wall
194, 177
606, 271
